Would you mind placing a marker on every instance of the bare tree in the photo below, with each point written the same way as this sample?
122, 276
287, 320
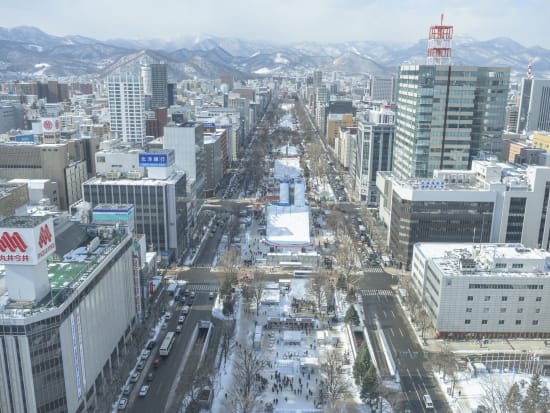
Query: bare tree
342, 406
316, 288
248, 366
347, 259
335, 382
225, 341
256, 289
495, 391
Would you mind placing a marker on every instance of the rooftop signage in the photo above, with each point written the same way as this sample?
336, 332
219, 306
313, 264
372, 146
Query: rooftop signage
27, 246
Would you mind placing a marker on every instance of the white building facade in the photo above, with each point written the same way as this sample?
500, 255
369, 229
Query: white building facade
483, 290
127, 107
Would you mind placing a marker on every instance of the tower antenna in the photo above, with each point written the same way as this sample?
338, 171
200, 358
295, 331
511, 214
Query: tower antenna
439, 44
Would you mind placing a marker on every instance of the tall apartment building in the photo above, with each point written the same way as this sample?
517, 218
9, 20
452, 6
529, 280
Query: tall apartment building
11, 117
483, 290
447, 116
64, 323
375, 135
492, 202
126, 107
535, 105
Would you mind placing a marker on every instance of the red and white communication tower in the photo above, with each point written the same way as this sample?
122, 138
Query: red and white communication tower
439, 44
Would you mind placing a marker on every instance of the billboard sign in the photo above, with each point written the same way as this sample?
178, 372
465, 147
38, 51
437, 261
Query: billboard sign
24, 138
27, 246
50, 125
209, 125
161, 159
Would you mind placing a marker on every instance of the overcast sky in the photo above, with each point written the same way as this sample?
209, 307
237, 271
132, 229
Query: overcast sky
525, 21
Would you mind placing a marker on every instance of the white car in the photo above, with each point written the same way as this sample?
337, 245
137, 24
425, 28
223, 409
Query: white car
167, 316
122, 403
145, 355
144, 389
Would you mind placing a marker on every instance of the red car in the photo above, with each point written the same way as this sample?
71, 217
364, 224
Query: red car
156, 363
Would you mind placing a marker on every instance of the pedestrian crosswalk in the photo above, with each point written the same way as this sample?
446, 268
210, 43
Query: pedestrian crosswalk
207, 287
373, 269
376, 292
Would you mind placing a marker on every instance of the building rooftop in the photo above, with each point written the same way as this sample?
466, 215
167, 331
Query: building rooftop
490, 260
98, 180
67, 276
22, 221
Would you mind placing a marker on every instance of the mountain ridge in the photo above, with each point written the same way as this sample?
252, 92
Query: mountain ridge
27, 52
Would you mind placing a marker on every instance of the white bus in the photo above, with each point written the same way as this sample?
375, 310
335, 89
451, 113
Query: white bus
167, 343
428, 401
302, 273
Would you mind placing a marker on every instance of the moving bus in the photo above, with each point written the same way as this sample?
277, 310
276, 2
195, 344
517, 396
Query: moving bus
167, 343
302, 273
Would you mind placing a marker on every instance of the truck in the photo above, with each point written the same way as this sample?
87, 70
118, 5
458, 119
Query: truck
362, 229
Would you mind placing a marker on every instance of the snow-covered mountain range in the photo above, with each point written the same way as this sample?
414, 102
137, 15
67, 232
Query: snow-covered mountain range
28, 52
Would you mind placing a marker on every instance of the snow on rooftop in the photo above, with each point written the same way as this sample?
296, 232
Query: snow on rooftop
287, 226
286, 168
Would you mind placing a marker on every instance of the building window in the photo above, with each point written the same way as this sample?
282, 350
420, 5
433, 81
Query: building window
517, 265
486, 309
537, 310
504, 298
470, 298
521, 299
501, 322
487, 298
469, 310
483, 321
466, 321
535, 322
518, 322
520, 310
502, 309
538, 299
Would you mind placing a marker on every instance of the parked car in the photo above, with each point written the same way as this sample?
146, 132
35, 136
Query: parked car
135, 377
144, 389
145, 355
122, 403
179, 327
140, 365
181, 319
151, 344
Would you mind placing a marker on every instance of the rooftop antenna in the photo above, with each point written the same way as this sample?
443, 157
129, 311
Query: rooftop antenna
529, 70
439, 44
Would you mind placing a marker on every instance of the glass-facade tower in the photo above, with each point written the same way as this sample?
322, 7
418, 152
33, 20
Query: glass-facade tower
447, 116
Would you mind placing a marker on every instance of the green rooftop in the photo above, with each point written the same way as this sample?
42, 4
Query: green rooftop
62, 274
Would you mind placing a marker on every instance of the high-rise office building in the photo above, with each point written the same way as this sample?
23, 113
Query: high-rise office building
159, 85
126, 107
447, 116
381, 88
537, 115
375, 135
525, 98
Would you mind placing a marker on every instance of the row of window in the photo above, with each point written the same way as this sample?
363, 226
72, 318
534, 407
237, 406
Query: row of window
502, 310
501, 322
507, 286
502, 298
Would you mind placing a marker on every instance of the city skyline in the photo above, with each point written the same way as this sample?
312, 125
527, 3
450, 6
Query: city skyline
287, 21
